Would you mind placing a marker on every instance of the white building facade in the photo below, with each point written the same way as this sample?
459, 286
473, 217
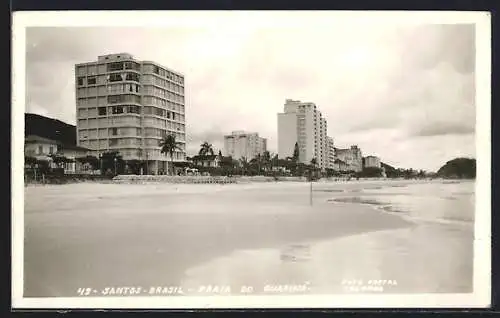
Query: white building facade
128, 106
331, 153
352, 157
241, 144
372, 162
302, 122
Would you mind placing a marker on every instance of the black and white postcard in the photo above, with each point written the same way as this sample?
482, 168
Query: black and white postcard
245, 159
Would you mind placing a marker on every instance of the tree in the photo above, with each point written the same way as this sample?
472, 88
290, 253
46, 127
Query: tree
112, 161
370, 172
296, 152
313, 169
266, 159
169, 145
421, 174
206, 149
259, 162
30, 161
91, 160
274, 161
59, 159
134, 166
244, 164
314, 162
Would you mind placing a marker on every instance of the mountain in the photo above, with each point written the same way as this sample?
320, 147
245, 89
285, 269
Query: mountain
49, 128
462, 168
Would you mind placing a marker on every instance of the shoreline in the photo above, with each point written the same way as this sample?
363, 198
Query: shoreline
170, 234
144, 249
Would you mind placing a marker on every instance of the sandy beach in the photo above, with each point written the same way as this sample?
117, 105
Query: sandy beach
102, 235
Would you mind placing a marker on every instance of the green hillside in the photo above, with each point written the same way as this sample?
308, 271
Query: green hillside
458, 168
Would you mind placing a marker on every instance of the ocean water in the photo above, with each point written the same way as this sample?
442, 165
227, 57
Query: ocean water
446, 202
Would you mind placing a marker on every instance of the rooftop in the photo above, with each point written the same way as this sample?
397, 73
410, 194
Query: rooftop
35, 139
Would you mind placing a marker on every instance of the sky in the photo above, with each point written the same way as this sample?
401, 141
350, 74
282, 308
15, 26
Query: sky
405, 93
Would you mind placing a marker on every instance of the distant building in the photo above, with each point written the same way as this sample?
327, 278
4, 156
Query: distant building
303, 123
372, 162
352, 157
241, 144
339, 165
210, 161
43, 148
39, 147
331, 153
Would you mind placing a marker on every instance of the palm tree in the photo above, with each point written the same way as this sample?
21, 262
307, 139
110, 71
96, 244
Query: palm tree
296, 152
258, 159
314, 162
243, 162
206, 149
59, 159
220, 157
169, 145
266, 158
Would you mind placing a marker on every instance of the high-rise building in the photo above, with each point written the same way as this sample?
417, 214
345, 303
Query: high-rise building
331, 153
304, 124
351, 156
244, 144
128, 106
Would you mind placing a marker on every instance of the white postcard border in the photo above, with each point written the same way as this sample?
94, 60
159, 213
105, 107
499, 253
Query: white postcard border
481, 296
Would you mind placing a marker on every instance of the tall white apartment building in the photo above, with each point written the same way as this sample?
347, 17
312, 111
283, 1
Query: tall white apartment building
331, 153
244, 144
302, 122
127, 105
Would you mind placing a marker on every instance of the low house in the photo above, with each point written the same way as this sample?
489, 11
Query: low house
44, 149
72, 152
209, 161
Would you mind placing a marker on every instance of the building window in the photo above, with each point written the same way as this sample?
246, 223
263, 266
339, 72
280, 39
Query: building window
80, 81
133, 109
160, 112
102, 111
51, 150
113, 99
156, 70
116, 66
132, 77
91, 81
114, 78
132, 66
113, 142
40, 150
114, 131
117, 110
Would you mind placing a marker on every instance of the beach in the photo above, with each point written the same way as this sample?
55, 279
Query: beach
416, 234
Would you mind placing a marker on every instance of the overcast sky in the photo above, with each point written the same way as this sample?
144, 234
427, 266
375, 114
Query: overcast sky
405, 94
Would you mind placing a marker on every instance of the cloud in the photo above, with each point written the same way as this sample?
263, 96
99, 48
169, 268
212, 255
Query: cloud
416, 82
444, 129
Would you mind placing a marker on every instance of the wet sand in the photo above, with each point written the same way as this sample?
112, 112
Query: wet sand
102, 235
